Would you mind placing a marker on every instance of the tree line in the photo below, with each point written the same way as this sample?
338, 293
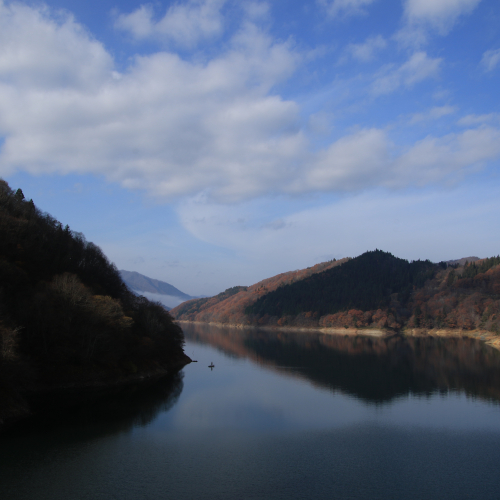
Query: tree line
374, 289
229, 306
365, 282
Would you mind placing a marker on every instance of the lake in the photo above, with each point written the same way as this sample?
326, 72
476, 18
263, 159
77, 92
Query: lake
280, 416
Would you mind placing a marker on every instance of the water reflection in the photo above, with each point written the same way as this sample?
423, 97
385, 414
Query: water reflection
106, 412
376, 370
265, 424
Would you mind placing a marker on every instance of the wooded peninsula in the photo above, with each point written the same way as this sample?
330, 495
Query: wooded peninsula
67, 320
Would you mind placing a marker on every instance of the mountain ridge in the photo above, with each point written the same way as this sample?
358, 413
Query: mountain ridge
229, 306
141, 283
373, 290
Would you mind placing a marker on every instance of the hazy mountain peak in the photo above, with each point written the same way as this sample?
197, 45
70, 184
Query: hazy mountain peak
140, 283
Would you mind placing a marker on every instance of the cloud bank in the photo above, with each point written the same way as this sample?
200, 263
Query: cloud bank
175, 127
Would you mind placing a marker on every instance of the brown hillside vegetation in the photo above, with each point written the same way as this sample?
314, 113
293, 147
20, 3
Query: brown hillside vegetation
229, 306
454, 297
454, 300
448, 301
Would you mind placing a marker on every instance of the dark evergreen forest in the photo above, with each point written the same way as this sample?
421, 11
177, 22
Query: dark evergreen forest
365, 282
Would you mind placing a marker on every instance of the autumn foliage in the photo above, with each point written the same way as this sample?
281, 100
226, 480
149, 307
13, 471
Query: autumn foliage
342, 294
229, 306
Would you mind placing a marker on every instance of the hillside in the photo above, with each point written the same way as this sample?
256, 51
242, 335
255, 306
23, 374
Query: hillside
140, 283
229, 306
365, 282
375, 290
66, 316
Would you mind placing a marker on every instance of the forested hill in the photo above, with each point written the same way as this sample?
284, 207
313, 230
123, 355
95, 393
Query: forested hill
66, 317
375, 290
365, 282
229, 306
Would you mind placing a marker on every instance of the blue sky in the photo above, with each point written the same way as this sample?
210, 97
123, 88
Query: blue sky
213, 143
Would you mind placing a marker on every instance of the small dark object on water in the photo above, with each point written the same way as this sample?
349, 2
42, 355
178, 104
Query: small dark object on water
194, 361
211, 366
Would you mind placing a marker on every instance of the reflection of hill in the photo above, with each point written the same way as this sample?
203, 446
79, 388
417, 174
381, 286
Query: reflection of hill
373, 369
109, 411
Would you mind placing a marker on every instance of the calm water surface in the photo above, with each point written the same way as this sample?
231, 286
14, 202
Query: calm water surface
280, 416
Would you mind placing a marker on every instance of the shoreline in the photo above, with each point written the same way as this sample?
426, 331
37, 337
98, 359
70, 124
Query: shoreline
489, 338
118, 382
22, 401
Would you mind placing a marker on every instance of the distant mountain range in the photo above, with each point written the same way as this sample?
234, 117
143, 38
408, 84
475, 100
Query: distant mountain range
156, 290
140, 283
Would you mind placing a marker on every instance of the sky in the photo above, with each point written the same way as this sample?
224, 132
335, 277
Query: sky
214, 143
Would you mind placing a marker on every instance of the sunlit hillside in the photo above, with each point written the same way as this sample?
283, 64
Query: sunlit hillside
373, 290
229, 306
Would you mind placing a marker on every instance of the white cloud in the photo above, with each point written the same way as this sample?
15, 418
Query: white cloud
365, 52
320, 124
344, 8
441, 14
435, 15
165, 125
139, 23
434, 159
433, 114
369, 158
402, 223
176, 128
490, 59
38, 52
185, 24
469, 120
352, 162
418, 68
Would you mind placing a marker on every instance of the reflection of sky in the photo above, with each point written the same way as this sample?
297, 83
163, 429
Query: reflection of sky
244, 431
241, 395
